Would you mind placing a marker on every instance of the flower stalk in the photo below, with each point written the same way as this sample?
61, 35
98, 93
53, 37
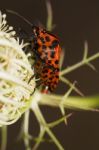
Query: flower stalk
79, 64
3, 138
71, 102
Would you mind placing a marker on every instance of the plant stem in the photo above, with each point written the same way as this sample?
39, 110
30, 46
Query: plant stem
41, 134
63, 79
26, 128
83, 62
50, 16
42, 122
80, 103
4, 138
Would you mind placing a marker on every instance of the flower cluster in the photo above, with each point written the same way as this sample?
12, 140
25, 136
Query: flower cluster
15, 72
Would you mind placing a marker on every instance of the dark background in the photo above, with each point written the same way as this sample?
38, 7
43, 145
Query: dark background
76, 21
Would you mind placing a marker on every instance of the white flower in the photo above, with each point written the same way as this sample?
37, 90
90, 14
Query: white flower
15, 72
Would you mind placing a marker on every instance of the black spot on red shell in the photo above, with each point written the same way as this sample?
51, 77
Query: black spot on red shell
52, 55
45, 71
56, 62
50, 47
55, 43
42, 39
57, 76
49, 61
50, 78
43, 46
51, 72
38, 64
45, 76
46, 53
55, 82
47, 38
37, 46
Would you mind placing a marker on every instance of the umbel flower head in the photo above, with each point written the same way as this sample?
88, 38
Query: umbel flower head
15, 72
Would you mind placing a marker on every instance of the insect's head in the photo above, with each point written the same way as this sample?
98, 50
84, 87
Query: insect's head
38, 30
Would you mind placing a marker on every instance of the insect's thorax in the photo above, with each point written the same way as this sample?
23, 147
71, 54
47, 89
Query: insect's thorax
47, 47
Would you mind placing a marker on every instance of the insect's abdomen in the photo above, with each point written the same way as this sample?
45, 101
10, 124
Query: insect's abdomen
49, 77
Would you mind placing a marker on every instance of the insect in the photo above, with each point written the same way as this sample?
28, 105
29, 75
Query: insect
46, 50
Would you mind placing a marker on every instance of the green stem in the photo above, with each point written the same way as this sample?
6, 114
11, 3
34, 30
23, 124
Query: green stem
83, 103
42, 122
83, 62
50, 16
26, 128
63, 79
4, 138
54, 139
41, 134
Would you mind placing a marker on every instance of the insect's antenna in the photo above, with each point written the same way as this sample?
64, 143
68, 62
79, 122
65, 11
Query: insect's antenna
20, 16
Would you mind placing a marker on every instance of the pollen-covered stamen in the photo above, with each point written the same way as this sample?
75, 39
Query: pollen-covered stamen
4, 27
3, 21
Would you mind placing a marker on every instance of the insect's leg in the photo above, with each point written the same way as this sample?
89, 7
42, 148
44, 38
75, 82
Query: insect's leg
33, 91
31, 78
38, 85
44, 90
38, 67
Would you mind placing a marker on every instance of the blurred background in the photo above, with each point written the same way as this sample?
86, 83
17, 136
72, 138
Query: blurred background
76, 21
